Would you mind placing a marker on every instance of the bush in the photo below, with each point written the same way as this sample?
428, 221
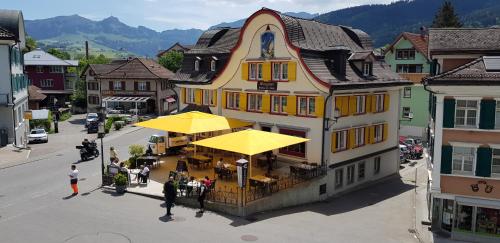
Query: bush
109, 122
135, 150
118, 126
120, 179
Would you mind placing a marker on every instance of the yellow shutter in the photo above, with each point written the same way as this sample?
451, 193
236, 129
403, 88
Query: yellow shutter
197, 96
385, 131
374, 103
266, 103
372, 134
224, 97
291, 105
266, 71
386, 102
292, 71
183, 95
243, 101
244, 71
368, 106
367, 135
345, 105
334, 142
319, 105
352, 105
352, 138
215, 97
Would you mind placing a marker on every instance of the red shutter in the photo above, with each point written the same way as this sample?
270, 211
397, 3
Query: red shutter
148, 86
110, 85
136, 86
123, 85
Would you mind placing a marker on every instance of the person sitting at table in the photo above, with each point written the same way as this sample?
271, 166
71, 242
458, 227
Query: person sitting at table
190, 185
123, 168
143, 175
220, 163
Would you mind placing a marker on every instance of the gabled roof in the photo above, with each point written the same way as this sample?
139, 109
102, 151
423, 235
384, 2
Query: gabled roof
138, 68
464, 39
102, 68
11, 22
472, 73
177, 46
35, 93
419, 42
40, 57
5, 34
216, 41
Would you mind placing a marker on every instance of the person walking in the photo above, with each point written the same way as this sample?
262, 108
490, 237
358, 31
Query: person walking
73, 177
113, 155
201, 197
170, 194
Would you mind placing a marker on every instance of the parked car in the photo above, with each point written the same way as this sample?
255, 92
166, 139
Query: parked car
93, 126
404, 153
90, 118
416, 148
38, 135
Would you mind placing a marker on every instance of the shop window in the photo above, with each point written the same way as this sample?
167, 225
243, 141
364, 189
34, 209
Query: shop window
405, 54
190, 96
379, 102
279, 104
233, 100
495, 163
298, 150
350, 174
307, 106
466, 113
254, 102
488, 221
361, 171
463, 160
406, 112
497, 116
209, 97
359, 136
376, 165
447, 215
464, 217
407, 92
339, 178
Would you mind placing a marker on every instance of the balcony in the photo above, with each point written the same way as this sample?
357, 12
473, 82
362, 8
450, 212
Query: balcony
414, 77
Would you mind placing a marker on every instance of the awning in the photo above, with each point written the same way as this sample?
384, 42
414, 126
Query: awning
477, 202
170, 100
250, 142
125, 99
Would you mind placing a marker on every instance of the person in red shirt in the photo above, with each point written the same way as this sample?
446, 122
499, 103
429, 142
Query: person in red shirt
207, 182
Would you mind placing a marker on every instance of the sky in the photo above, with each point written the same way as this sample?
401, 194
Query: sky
171, 14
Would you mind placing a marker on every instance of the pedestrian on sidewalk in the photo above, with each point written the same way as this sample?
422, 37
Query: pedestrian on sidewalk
113, 155
202, 195
170, 194
73, 177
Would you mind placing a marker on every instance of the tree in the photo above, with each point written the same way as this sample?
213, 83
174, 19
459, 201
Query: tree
79, 97
446, 17
172, 60
30, 44
59, 54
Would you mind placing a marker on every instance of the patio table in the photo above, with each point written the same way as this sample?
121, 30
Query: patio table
263, 181
149, 160
134, 172
200, 159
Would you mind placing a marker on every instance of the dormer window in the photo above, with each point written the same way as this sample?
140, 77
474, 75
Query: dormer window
212, 65
367, 69
197, 64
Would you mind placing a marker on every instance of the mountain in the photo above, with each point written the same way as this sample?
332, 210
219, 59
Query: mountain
241, 22
108, 36
383, 22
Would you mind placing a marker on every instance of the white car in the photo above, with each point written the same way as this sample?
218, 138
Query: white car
90, 118
38, 135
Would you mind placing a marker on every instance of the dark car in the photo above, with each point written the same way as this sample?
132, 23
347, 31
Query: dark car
93, 127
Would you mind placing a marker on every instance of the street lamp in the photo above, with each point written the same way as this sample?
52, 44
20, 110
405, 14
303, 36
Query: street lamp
101, 132
330, 121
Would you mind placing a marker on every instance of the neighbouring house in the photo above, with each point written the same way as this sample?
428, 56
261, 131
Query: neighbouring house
408, 56
52, 76
13, 82
464, 131
303, 78
138, 86
35, 97
175, 47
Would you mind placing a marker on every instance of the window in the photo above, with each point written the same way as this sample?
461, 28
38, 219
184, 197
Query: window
254, 102
376, 165
405, 54
117, 85
339, 178
190, 96
379, 102
212, 65
252, 71
142, 86
466, 113
56, 69
350, 174
361, 171
259, 71
495, 162
359, 136
409, 68
379, 133
46, 83
406, 112
93, 99
197, 65
360, 104
209, 97
463, 160
39, 69
298, 150
407, 92
487, 221
464, 219
497, 116
280, 71
233, 100
341, 143
278, 104
307, 106
367, 68
92, 86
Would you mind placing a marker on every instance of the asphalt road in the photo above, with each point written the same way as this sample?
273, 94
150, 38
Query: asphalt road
35, 207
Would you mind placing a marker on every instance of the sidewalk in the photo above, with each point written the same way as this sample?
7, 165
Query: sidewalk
10, 155
153, 189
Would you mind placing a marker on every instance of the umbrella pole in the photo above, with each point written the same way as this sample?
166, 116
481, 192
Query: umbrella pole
250, 163
195, 144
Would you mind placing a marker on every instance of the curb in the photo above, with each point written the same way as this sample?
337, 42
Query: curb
146, 195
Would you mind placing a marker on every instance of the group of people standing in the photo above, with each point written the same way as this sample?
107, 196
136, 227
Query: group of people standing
170, 192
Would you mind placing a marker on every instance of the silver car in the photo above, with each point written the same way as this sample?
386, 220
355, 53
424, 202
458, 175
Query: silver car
90, 118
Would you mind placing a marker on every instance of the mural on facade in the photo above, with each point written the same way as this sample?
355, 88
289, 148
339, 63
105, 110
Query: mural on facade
267, 44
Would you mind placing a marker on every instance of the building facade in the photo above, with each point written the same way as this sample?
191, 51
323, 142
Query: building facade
52, 76
289, 75
13, 84
464, 133
408, 56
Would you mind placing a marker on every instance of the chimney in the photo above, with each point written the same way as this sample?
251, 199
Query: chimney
423, 32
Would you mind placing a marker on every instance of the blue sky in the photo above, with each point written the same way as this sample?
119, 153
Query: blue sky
169, 14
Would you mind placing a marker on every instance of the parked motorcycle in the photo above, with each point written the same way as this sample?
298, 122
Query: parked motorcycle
88, 151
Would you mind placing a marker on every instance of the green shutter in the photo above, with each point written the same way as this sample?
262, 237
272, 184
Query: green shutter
446, 153
449, 113
483, 163
487, 114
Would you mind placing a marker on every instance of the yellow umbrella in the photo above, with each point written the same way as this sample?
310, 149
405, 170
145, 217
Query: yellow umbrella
193, 122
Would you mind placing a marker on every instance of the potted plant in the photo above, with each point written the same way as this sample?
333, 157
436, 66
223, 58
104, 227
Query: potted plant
120, 183
135, 151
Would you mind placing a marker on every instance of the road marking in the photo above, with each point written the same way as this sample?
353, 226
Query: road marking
28, 155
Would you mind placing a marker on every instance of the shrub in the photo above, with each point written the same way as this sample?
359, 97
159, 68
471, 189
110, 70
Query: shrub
118, 125
120, 179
